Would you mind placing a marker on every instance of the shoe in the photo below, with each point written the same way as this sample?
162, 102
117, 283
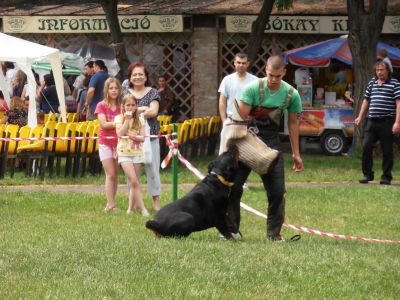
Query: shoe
275, 238
145, 213
385, 181
365, 179
129, 212
245, 185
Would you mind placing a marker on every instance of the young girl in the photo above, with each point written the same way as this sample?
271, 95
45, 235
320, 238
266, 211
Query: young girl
130, 150
17, 113
106, 112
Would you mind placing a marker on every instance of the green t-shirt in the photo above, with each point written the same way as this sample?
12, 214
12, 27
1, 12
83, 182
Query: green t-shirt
251, 95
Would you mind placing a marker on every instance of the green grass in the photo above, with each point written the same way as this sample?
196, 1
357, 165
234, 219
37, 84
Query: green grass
318, 168
56, 245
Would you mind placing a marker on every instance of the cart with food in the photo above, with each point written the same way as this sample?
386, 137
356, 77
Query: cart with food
324, 80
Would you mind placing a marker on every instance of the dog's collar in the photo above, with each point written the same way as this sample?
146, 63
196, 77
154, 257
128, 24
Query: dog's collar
222, 179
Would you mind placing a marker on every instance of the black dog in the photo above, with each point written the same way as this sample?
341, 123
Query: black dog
205, 206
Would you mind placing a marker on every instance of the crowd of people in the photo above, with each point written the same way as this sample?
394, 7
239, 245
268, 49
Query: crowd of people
129, 107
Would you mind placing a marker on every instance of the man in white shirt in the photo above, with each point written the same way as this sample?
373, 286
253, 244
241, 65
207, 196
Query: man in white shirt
231, 86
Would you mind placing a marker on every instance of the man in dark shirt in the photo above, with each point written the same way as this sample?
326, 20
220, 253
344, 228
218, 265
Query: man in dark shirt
381, 104
96, 86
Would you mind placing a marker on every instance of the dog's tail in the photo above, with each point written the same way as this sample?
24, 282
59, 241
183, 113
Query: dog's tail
153, 225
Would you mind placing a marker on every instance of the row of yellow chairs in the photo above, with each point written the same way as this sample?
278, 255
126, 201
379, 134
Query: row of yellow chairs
197, 136
71, 117
39, 155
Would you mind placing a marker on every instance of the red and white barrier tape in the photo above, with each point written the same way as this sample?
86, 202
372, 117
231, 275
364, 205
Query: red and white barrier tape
317, 232
77, 138
174, 151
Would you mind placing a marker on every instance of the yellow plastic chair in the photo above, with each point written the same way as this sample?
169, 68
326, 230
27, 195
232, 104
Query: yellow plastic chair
81, 145
39, 151
71, 146
214, 128
24, 132
72, 117
183, 136
9, 147
35, 132
87, 148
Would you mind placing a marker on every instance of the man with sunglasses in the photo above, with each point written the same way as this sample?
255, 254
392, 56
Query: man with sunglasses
263, 102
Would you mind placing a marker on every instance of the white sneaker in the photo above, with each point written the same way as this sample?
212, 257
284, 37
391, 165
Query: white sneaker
145, 213
245, 185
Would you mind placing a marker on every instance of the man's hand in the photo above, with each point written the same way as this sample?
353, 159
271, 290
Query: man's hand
396, 128
298, 163
357, 121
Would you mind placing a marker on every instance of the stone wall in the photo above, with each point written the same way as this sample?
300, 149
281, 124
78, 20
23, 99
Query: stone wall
205, 71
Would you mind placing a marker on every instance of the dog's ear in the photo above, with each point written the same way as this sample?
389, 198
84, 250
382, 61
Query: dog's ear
210, 166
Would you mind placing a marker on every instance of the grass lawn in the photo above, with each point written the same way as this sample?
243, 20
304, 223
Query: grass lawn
318, 168
56, 245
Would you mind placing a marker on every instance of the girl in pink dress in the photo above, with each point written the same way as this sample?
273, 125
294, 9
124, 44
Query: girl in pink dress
106, 111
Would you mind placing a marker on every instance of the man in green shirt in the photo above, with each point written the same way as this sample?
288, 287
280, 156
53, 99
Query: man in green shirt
263, 102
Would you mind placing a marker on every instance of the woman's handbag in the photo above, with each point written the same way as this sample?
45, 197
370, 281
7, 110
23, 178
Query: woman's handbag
254, 153
147, 152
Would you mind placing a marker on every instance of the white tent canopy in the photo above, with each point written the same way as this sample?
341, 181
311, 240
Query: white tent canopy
24, 54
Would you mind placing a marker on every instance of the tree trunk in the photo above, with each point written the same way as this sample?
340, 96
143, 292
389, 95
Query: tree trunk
258, 28
110, 10
365, 28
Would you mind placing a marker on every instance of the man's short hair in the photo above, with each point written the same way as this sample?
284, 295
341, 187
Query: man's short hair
241, 55
276, 62
89, 64
100, 63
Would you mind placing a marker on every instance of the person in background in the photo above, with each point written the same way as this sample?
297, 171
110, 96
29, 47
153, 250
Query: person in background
148, 100
266, 115
230, 88
47, 95
3, 103
96, 86
88, 71
106, 111
381, 106
130, 154
9, 74
18, 83
81, 98
340, 75
383, 55
25, 91
17, 114
166, 97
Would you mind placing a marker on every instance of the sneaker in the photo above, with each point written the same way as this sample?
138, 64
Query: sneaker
245, 185
145, 213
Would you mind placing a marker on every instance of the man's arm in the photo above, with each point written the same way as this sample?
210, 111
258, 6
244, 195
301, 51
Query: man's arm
89, 97
293, 126
361, 114
244, 110
222, 107
396, 125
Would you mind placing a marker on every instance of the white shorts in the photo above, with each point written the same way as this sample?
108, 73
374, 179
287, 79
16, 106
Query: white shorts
130, 159
106, 152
